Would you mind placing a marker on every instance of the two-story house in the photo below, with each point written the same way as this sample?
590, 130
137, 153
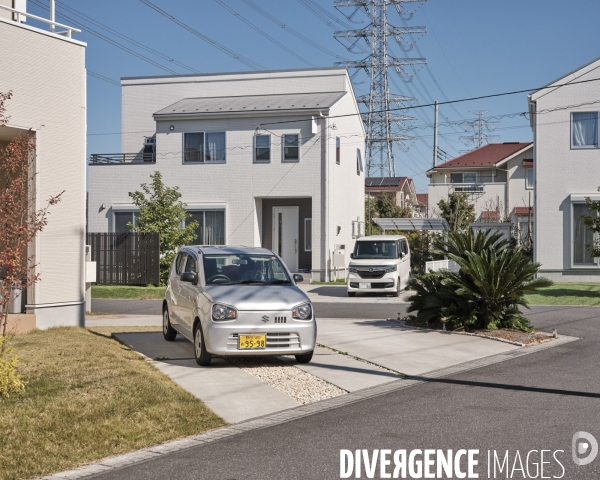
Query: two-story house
403, 189
272, 159
44, 68
564, 117
497, 178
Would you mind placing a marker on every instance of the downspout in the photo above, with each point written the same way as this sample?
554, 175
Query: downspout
326, 186
534, 128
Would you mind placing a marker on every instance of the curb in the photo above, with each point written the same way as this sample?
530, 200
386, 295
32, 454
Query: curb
139, 456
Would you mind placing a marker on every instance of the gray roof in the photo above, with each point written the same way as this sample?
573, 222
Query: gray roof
252, 103
229, 250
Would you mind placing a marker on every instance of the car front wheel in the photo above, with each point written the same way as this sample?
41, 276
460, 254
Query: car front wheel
304, 357
203, 357
169, 333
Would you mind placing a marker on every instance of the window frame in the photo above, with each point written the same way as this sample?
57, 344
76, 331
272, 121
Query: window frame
306, 221
338, 150
529, 186
292, 160
585, 147
134, 213
575, 266
255, 159
203, 161
359, 162
204, 210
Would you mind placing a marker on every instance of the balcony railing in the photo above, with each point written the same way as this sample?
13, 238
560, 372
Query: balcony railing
122, 158
68, 32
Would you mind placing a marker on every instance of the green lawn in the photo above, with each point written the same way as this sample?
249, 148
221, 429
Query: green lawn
87, 397
128, 292
587, 294
339, 281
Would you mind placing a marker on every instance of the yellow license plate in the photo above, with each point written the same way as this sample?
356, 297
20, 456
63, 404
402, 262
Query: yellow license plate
252, 342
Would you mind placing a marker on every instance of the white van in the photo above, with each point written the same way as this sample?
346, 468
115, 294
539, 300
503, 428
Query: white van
379, 263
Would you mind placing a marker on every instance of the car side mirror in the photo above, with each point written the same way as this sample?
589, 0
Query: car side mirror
189, 277
352, 255
298, 278
402, 255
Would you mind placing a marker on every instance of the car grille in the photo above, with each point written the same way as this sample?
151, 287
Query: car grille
274, 340
382, 285
280, 320
373, 274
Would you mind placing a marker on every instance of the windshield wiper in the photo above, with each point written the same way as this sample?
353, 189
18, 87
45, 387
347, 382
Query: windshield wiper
241, 282
279, 282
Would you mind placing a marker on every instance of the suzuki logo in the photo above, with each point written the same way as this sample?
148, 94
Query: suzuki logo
370, 269
265, 318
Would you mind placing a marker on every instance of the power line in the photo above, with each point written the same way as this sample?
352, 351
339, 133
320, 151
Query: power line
290, 30
126, 38
240, 58
102, 77
263, 33
107, 39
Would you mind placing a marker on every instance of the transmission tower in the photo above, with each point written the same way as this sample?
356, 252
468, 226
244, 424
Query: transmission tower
480, 126
384, 128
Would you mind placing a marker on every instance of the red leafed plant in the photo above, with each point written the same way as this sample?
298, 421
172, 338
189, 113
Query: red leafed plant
20, 220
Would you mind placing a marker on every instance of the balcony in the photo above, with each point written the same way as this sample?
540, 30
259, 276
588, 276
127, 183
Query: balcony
20, 15
139, 158
485, 196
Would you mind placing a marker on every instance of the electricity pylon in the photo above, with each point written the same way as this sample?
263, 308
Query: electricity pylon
384, 128
480, 125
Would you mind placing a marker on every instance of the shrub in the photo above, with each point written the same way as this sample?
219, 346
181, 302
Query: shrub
10, 380
487, 291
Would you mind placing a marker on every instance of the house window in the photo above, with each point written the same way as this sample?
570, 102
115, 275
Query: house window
211, 227
359, 163
123, 219
582, 236
291, 148
529, 178
308, 234
338, 148
584, 130
463, 177
262, 148
201, 147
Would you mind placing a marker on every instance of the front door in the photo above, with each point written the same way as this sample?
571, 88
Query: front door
286, 235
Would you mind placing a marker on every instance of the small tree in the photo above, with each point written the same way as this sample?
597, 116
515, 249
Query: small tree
457, 211
593, 223
162, 212
20, 222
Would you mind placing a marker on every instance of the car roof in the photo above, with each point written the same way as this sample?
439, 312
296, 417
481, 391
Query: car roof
227, 249
380, 237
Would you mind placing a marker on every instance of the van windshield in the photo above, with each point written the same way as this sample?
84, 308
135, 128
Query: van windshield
375, 249
234, 269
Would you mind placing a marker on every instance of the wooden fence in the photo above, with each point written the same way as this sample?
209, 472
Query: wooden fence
125, 258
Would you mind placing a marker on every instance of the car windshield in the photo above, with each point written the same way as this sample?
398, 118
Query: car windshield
241, 269
375, 249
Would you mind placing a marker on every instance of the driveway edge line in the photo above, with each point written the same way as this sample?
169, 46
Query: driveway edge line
149, 453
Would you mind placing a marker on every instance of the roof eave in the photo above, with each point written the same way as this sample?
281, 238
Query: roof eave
253, 113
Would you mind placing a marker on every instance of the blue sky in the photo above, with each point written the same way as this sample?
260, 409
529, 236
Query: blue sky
473, 47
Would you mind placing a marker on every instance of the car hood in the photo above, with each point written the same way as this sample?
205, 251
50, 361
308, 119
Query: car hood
373, 262
256, 297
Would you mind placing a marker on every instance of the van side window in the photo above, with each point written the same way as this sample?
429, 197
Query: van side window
179, 263
405, 246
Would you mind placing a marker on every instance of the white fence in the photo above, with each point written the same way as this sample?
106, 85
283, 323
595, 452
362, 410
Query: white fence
437, 265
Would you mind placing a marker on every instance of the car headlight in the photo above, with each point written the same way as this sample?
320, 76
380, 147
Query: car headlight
223, 312
390, 268
302, 312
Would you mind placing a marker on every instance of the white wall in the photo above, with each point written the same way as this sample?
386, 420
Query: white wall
561, 171
46, 74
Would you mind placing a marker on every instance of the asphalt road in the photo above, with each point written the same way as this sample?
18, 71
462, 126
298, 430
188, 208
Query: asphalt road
535, 402
322, 309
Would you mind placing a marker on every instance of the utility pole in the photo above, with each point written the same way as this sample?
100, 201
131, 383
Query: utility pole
435, 129
384, 128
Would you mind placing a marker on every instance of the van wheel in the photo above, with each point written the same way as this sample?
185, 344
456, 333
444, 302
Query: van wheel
203, 357
169, 333
352, 294
304, 357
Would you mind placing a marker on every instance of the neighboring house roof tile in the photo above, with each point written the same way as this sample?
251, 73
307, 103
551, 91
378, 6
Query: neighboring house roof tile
522, 211
395, 183
490, 215
422, 198
252, 103
485, 156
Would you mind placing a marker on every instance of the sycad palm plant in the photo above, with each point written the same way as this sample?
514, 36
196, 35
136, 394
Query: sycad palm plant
487, 291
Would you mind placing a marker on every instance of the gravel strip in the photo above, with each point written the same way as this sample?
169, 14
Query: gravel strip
298, 384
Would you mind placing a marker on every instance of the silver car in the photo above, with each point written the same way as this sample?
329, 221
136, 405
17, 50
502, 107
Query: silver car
232, 301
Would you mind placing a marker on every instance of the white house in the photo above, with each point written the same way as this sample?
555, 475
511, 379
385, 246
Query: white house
272, 159
564, 118
498, 179
44, 67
